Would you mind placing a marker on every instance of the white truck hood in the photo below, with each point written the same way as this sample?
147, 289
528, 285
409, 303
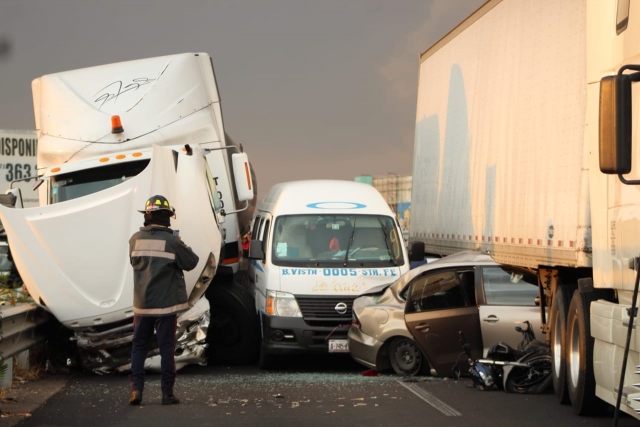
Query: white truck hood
334, 281
74, 257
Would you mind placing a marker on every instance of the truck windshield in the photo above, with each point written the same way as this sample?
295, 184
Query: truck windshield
81, 183
323, 240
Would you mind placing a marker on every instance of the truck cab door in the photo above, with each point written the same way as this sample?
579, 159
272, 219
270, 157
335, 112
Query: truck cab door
439, 305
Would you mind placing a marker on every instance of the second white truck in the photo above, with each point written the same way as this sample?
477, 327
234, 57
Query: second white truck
526, 148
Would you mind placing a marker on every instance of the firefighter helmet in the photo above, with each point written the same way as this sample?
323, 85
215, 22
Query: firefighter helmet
157, 204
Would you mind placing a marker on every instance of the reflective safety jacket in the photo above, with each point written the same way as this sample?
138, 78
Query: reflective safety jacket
158, 259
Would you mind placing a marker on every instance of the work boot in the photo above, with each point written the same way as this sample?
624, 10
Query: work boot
170, 399
136, 397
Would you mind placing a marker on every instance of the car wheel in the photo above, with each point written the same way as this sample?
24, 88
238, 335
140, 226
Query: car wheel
406, 358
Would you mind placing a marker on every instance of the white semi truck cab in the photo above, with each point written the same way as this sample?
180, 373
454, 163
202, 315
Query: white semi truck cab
109, 137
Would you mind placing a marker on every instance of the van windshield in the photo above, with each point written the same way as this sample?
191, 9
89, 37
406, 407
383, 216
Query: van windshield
323, 240
81, 183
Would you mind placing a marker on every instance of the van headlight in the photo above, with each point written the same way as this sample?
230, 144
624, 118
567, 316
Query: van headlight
282, 304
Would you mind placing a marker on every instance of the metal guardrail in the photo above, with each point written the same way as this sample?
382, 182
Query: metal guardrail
19, 328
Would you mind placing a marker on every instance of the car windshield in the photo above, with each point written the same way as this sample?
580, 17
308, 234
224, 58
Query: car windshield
81, 183
322, 240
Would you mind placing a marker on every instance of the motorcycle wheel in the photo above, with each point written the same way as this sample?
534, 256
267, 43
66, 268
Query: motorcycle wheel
533, 380
406, 358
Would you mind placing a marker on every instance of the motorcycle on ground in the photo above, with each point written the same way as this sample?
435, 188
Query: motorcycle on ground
525, 369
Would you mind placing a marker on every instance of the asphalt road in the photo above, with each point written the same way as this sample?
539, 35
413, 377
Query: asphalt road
303, 391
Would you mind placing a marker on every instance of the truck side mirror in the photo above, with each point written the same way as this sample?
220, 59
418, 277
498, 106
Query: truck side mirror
242, 176
12, 198
615, 124
255, 250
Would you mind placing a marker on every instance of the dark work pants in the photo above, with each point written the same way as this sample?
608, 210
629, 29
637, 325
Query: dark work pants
142, 334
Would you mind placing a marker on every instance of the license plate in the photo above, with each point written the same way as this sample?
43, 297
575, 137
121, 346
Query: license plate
338, 346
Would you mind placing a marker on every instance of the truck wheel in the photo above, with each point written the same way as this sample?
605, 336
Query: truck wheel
241, 278
265, 360
581, 382
233, 335
557, 334
406, 358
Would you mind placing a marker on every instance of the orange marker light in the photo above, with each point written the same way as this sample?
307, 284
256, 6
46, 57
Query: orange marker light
116, 125
270, 309
120, 156
104, 159
54, 170
137, 154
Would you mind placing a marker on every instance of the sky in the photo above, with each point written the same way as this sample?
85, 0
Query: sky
312, 89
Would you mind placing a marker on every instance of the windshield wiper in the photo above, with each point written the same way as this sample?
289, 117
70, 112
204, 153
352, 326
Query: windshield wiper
387, 242
346, 255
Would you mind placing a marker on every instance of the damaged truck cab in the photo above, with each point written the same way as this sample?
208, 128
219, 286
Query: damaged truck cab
108, 138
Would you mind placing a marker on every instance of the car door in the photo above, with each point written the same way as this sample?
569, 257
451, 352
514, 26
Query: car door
508, 298
439, 305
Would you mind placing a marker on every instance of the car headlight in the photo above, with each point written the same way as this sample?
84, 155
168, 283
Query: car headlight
282, 304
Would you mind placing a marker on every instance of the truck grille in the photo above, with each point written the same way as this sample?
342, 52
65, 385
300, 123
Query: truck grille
321, 310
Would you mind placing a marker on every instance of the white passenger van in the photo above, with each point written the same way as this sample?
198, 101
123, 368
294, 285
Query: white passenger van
315, 246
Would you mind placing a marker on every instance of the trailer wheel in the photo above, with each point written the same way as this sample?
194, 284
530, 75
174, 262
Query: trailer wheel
233, 335
558, 334
581, 383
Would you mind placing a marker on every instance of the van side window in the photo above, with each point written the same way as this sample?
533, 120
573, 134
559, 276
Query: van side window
259, 235
256, 226
265, 235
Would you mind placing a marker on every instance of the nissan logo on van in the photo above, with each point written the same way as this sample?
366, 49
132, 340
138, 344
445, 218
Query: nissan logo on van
341, 308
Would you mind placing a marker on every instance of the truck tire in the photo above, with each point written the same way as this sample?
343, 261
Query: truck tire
266, 360
233, 335
581, 382
241, 278
558, 340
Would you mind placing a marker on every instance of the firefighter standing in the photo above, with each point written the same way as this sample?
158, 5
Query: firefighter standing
158, 258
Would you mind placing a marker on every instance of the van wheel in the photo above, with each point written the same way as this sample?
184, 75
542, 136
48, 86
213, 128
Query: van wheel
581, 384
406, 358
233, 335
558, 340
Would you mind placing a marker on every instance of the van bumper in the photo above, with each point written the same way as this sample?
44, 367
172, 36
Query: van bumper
291, 335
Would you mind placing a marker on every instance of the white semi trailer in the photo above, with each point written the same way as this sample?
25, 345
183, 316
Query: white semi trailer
109, 137
523, 122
